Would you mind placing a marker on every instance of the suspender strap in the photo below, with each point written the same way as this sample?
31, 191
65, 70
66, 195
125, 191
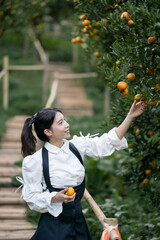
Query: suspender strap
45, 161
75, 151
46, 169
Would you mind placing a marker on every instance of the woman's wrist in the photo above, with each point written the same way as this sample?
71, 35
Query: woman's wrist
129, 117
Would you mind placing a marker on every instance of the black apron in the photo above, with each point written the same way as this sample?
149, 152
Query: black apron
70, 224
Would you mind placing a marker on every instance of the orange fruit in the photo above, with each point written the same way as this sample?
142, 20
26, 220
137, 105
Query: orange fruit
146, 181
97, 54
125, 91
84, 30
154, 103
74, 40
137, 131
131, 76
130, 23
151, 40
125, 16
147, 171
157, 86
150, 133
138, 97
86, 22
122, 85
70, 191
116, 6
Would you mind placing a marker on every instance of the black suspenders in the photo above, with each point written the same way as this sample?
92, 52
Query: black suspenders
46, 164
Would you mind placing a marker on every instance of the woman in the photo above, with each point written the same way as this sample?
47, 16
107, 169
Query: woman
48, 172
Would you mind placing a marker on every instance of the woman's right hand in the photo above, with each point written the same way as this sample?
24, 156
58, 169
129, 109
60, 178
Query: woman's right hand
62, 197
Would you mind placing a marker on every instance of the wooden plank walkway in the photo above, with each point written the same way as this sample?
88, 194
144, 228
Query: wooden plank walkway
71, 97
13, 223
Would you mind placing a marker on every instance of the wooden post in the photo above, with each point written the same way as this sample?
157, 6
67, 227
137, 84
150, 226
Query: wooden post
75, 54
100, 215
5, 82
45, 78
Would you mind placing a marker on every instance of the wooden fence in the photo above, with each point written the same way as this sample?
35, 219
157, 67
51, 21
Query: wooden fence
7, 67
45, 68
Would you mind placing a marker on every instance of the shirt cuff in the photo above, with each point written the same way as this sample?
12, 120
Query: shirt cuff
55, 208
119, 144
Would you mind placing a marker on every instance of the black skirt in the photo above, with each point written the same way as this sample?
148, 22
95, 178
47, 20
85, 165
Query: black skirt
69, 225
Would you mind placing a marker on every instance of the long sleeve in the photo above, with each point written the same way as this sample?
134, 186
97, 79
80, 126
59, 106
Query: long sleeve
100, 146
32, 191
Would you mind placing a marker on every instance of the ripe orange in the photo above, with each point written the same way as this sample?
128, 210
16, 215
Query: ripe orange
86, 22
70, 191
151, 40
154, 103
97, 54
122, 85
146, 181
125, 91
130, 23
131, 76
125, 16
137, 131
150, 133
138, 97
157, 86
84, 30
78, 39
147, 171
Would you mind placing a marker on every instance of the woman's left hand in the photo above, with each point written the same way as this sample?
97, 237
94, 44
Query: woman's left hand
137, 109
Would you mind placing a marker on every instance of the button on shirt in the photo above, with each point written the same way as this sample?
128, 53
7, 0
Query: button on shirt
64, 168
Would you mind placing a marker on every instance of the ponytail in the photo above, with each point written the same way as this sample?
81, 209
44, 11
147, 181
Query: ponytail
42, 120
28, 139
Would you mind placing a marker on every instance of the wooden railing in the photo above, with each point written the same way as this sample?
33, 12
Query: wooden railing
7, 67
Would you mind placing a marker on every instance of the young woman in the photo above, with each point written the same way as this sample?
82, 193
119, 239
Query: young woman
48, 172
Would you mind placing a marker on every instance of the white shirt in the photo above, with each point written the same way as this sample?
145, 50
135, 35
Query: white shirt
64, 168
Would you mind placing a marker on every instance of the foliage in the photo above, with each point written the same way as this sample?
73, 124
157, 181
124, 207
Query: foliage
118, 49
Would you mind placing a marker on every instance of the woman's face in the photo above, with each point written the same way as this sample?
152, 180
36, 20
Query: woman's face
59, 128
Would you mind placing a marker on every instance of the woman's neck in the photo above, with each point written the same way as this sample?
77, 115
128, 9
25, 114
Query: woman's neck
58, 144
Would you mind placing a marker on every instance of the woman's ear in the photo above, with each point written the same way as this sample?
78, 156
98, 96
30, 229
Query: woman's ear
48, 132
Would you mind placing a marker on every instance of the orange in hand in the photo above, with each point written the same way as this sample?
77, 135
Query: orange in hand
70, 191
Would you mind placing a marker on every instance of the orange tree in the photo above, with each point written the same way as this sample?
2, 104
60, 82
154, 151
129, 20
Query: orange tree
124, 39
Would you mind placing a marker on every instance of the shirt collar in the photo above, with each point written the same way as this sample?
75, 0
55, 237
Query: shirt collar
52, 148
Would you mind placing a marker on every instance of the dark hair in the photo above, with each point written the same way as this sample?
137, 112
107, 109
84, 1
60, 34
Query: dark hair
42, 120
